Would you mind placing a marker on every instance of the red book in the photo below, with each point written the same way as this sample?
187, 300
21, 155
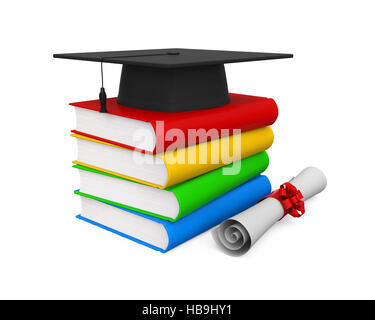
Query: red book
243, 112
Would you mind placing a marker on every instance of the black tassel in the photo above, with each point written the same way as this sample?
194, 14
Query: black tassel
102, 94
103, 100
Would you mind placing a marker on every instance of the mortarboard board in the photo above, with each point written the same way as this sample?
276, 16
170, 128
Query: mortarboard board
172, 80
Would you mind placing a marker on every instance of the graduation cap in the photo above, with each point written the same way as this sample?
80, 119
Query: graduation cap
171, 80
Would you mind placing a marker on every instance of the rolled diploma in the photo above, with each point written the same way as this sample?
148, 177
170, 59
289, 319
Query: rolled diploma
238, 234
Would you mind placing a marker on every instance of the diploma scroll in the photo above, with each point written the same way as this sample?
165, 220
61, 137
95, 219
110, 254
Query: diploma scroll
238, 234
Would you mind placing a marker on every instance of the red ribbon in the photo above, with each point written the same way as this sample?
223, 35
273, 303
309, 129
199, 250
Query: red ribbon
291, 200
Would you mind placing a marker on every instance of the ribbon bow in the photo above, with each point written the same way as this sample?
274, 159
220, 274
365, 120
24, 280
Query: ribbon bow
291, 200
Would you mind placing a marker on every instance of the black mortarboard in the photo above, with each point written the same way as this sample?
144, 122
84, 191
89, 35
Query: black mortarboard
172, 80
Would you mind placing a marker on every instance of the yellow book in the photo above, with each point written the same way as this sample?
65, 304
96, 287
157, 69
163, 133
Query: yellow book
172, 167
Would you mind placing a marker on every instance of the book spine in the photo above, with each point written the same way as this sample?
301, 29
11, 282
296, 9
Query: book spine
247, 117
197, 192
217, 211
252, 142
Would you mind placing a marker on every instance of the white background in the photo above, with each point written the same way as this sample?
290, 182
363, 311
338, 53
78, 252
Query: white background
326, 101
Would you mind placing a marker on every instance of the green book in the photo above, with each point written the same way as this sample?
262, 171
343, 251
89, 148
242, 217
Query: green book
176, 201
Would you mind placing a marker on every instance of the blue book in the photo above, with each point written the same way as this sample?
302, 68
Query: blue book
164, 235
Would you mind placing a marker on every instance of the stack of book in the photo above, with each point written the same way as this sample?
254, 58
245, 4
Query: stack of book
161, 178
175, 153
